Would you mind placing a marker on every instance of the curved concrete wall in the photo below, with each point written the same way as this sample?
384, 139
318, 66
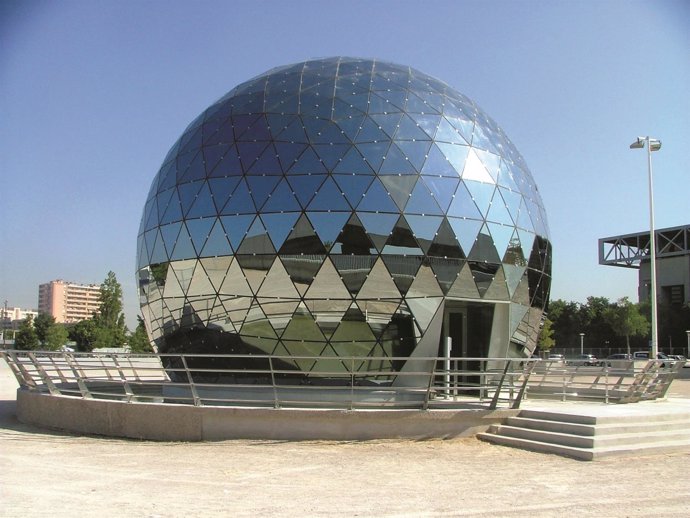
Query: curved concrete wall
171, 422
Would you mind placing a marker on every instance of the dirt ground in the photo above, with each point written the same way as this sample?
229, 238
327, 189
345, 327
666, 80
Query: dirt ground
47, 473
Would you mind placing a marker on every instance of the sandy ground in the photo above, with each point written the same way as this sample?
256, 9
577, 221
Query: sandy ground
47, 473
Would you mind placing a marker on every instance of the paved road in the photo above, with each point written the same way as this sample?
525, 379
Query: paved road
45, 473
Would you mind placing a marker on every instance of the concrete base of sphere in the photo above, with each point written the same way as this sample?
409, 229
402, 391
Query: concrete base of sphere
171, 422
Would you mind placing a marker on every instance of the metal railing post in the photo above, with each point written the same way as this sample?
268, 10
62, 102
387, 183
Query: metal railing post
276, 404
192, 387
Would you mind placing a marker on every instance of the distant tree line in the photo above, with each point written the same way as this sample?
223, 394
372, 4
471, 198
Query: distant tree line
106, 329
622, 325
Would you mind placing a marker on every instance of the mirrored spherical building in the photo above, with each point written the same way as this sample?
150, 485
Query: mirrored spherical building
344, 207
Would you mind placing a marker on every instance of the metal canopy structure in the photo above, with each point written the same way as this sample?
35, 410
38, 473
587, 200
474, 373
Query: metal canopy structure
630, 250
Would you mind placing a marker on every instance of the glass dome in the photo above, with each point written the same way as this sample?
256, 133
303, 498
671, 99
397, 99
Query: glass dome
338, 207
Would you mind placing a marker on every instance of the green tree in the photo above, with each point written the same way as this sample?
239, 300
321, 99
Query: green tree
42, 323
546, 341
26, 338
83, 333
111, 330
626, 320
139, 340
56, 336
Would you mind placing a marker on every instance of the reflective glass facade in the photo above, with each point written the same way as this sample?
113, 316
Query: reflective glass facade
333, 208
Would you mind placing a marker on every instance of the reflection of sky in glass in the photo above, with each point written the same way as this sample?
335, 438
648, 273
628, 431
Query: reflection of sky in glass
366, 177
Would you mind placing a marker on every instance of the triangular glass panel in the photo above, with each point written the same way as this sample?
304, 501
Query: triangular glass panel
447, 133
395, 162
388, 122
491, 162
221, 190
256, 241
329, 198
184, 271
195, 171
424, 309
501, 235
498, 290
517, 313
236, 309
183, 161
428, 123
278, 226
184, 249
409, 130
370, 131
216, 268
513, 275
240, 202
199, 230
422, 202
353, 239
482, 193
327, 284
511, 201
278, 283
158, 252
416, 151
437, 164
172, 288
463, 205
446, 271
203, 205
353, 186
255, 268
399, 188
401, 241
170, 233
331, 154
236, 228
229, 165
424, 284
302, 239
424, 229
266, 164
376, 199
378, 227
402, 270
475, 170
250, 152
200, 283
374, 152
293, 133
261, 187
483, 274
288, 153
349, 124
302, 269
442, 189
235, 283
187, 194
466, 231
353, 269
444, 243
526, 241
353, 163
328, 225
464, 286
217, 243
514, 254
379, 284
281, 199
308, 163
484, 250
306, 186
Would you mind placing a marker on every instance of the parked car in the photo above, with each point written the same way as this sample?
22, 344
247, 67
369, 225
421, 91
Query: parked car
618, 360
556, 358
644, 355
588, 360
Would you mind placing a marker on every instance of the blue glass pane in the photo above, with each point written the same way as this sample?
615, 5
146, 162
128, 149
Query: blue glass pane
217, 243
329, 198
279, 226
376, 199
240, 202
260, 188
266, 164
353, 186
306, 186
328, 225
236, 227
422, 202
199, 230
222, 188
282, 199
203, 205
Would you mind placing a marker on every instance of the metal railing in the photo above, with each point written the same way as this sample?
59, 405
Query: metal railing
329, 382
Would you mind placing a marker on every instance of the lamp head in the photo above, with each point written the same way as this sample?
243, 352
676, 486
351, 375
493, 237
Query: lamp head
654, 144
638, 144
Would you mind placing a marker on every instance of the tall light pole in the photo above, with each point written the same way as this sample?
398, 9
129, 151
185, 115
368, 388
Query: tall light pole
688, 333
652, 144
582, 344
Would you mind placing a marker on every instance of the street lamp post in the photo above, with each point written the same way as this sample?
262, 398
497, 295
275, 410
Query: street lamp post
652, 144
582, 344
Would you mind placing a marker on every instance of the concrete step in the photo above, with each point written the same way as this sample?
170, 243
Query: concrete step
587, 437
585, 453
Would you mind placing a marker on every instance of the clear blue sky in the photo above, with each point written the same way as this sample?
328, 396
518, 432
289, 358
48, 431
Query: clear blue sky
93, 94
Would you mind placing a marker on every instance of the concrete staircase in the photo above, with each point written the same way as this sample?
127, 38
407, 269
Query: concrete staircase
588, 437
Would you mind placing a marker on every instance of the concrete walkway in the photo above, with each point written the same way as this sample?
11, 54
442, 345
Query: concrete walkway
47, 473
